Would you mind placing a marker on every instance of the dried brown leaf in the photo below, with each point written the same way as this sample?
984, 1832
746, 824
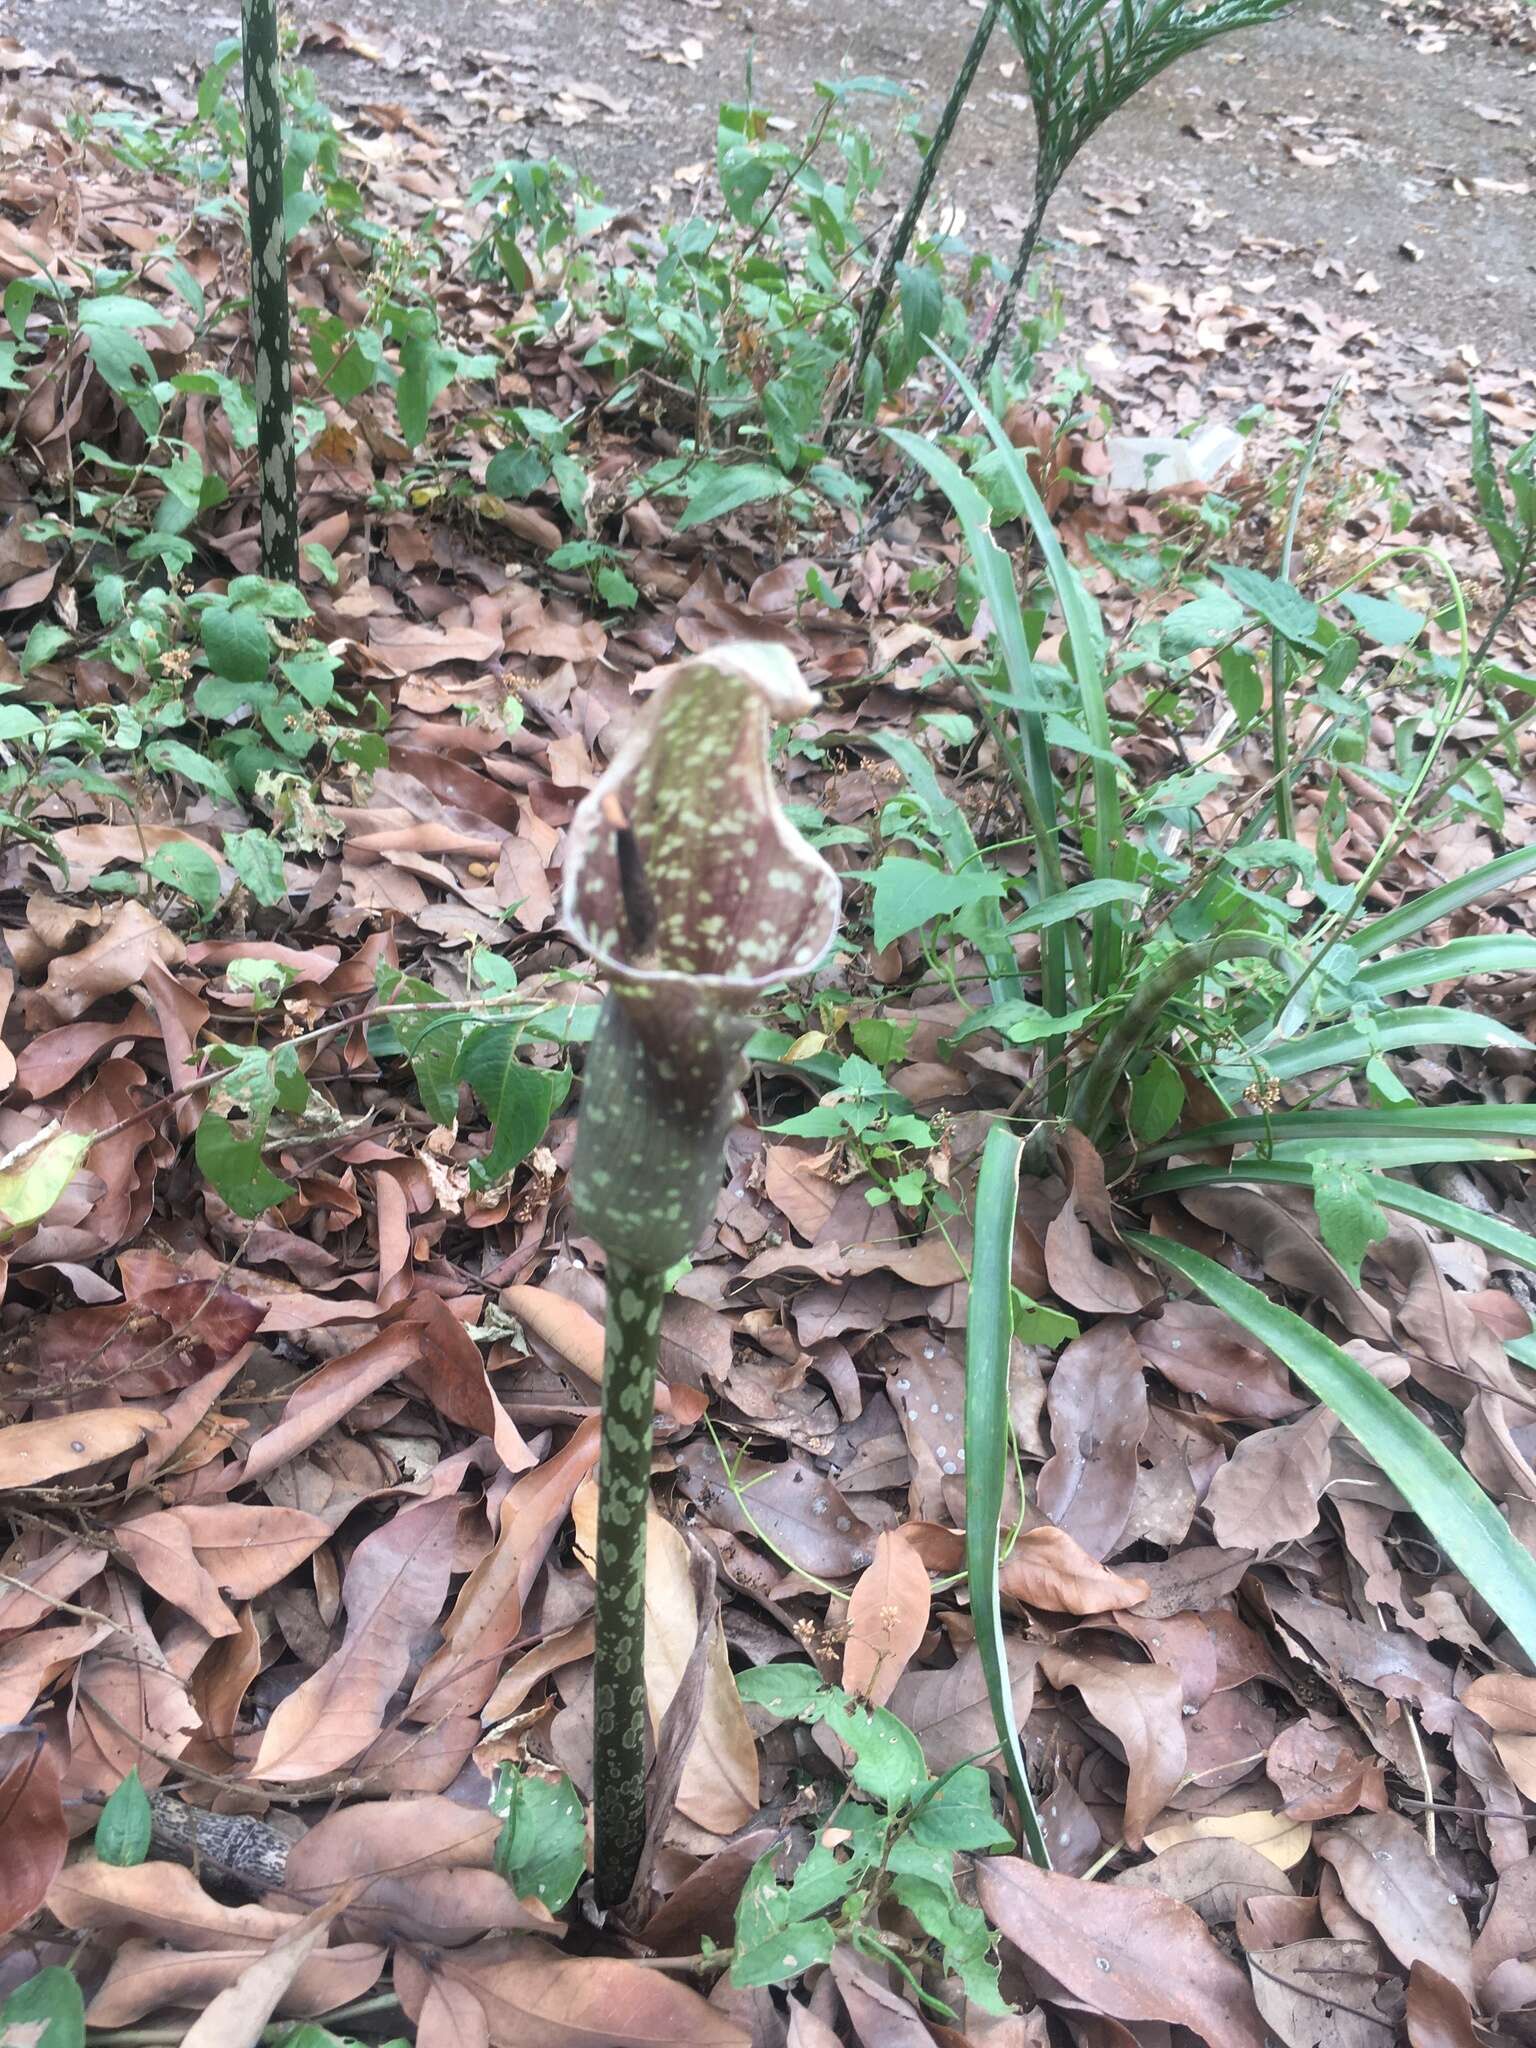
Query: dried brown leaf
33, 1452
1048, 1568
395, 1585
1390, 1879
1142, 1706
1438, 2015
1122, 1953
887, 1619
533, 1997
32, 1826
1269, 1492
1098, 1410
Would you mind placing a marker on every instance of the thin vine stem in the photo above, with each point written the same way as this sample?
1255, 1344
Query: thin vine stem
633, 1337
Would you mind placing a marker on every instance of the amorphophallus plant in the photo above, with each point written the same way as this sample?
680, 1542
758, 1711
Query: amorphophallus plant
693, 894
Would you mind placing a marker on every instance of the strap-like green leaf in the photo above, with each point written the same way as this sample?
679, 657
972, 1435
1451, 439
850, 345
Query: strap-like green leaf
1452, 1506
988, 1342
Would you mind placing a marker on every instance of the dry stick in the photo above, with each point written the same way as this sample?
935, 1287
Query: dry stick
901, 237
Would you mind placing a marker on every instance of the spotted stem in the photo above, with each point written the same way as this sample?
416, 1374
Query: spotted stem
635, 1300
269, 292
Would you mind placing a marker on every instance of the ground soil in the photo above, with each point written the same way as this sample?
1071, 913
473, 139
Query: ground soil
1340, 144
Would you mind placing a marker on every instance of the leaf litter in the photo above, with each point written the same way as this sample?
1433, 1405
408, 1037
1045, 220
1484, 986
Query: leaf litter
300, 1500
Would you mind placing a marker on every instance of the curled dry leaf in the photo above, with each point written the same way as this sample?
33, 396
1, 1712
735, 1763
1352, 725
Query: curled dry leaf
34, 1452
1122, 1953
1047, 1568
130, 944
887, 1619
1142, 1706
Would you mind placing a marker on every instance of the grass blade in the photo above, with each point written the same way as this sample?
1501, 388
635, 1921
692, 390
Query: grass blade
1085, 632
1479, 1123
988, 1341
1447, 1500
1406, 1197
1514, 953
994, 573
1347, 1045
1412, 917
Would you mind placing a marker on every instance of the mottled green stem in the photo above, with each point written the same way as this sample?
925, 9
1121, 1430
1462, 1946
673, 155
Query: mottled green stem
624, 1489
901, 237
269, 292
1111, 1063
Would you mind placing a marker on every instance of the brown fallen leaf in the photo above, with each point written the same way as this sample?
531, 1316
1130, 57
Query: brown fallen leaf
396, 1582
887, 1619
32, 1826
237, 2016
1047, 1568
1098, 1410
1438, 2015
424, 1867
533, 1997
144, 1978
1390, 1879
1506, 1702
1269, 1492
161, 1901
1322, 1993
112, 963
32, 1452
1121, 1952
1142, 1706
